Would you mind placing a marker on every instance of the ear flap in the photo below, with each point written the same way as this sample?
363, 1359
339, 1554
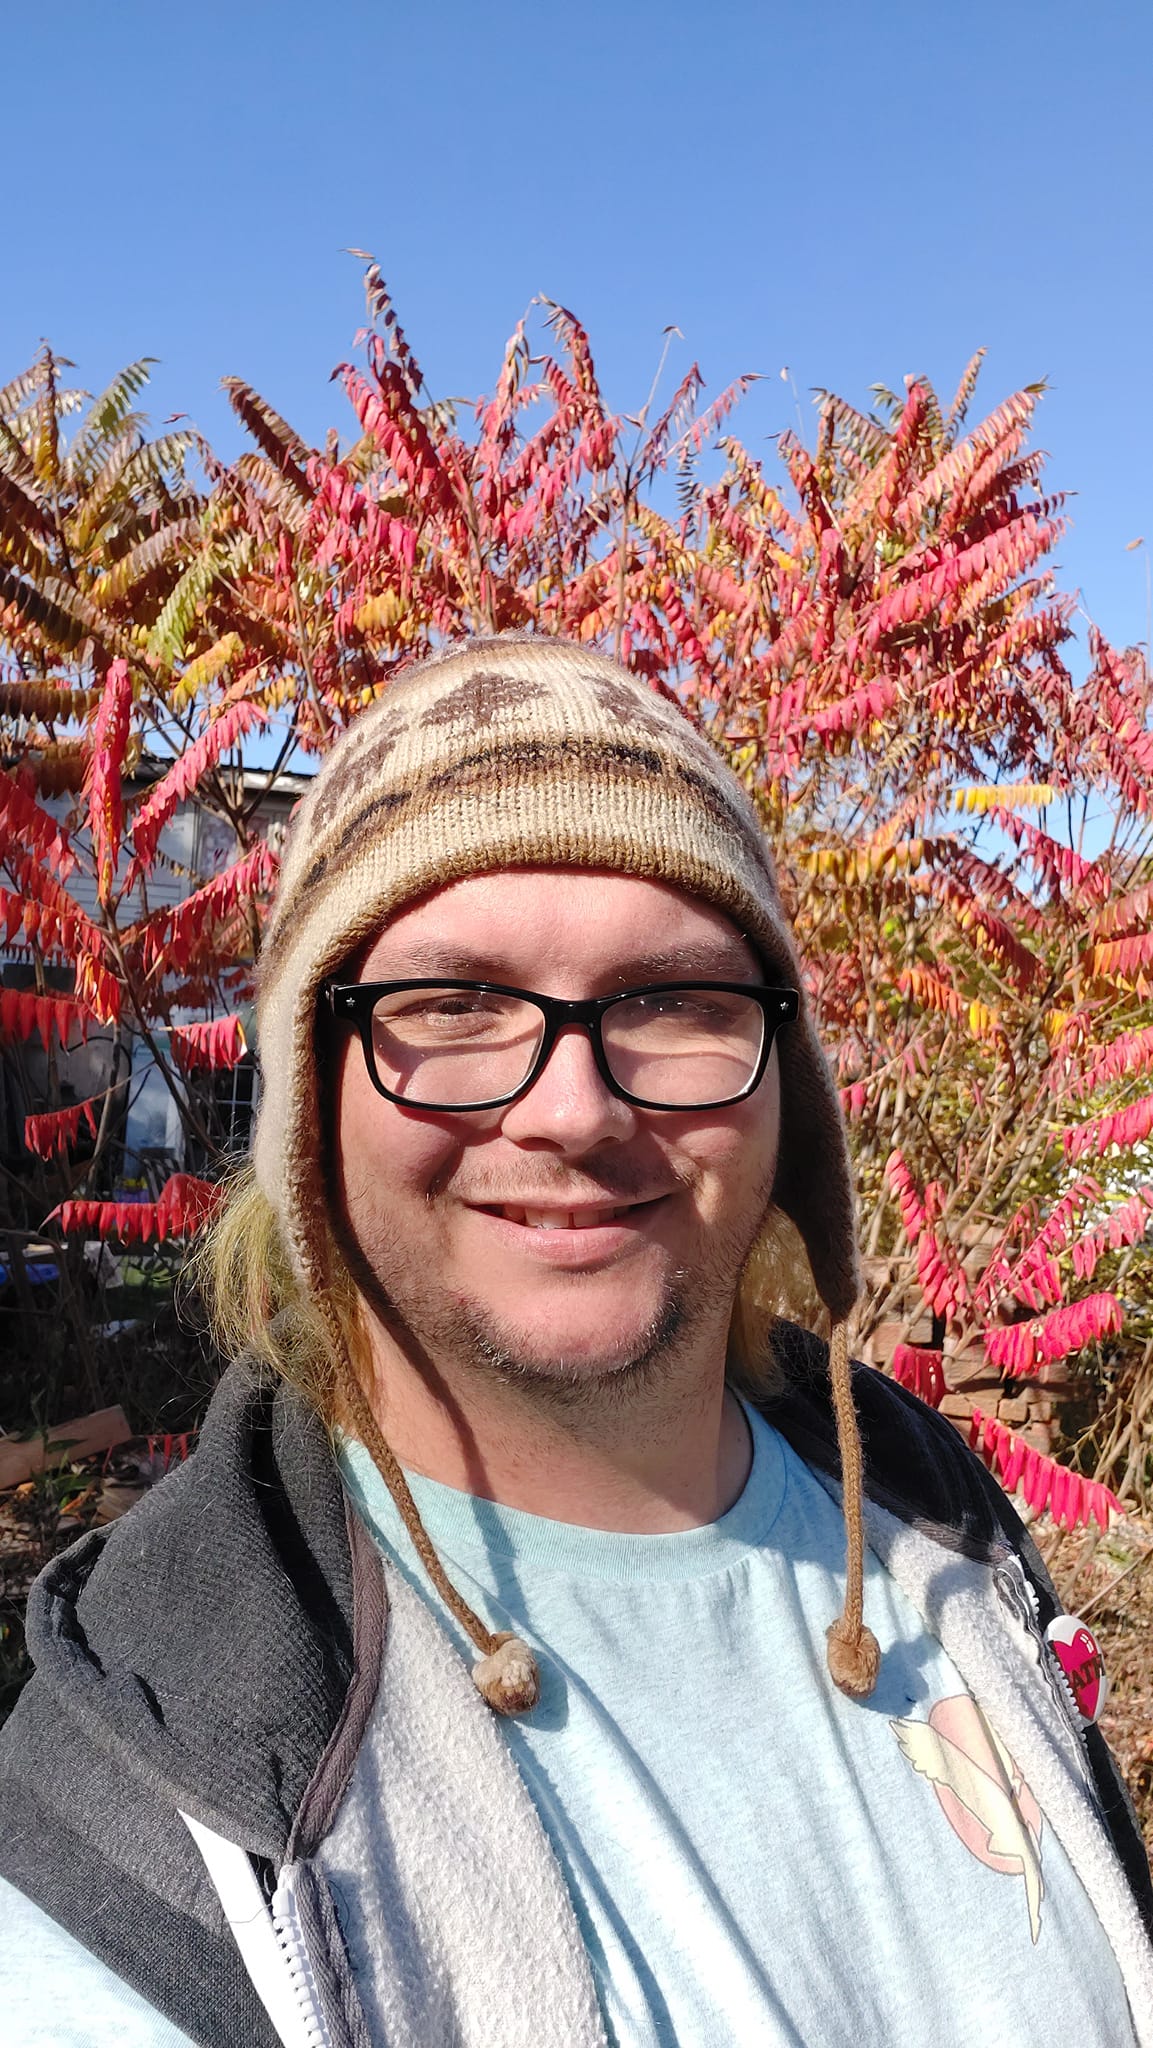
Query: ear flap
814, 1184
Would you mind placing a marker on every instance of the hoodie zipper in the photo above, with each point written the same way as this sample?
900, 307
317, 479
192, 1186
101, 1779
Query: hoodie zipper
289, 1932
1059, 1685
268, 1934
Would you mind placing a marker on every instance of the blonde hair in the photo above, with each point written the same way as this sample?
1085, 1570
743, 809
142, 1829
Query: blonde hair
256, 1304
258, 1307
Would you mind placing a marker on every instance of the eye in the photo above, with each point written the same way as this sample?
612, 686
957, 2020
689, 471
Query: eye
443, 1016
456, 1005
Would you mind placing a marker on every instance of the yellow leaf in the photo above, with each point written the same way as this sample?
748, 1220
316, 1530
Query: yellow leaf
206, 668
1011, 796
381, 613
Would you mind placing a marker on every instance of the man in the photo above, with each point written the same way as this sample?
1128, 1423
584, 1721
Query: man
540, 1092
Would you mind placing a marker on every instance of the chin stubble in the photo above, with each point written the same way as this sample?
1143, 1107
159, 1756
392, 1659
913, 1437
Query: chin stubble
435, 1332
568, 1383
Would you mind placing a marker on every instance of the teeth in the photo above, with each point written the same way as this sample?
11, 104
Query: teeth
561, 1219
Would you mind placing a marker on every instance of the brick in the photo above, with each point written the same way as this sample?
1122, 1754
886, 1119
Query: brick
956, 1407
1014, 1412
1056, 1372
976, 1372
886, 1335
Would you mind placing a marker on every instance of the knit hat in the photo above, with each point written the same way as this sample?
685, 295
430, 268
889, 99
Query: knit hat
505, 753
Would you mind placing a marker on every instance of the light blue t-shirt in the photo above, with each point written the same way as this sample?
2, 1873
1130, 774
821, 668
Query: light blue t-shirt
753, 1859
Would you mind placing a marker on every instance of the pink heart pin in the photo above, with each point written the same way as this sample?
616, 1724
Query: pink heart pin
1079, 1654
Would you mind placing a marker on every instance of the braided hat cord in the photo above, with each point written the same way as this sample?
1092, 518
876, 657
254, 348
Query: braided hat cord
852, 1650
507, 1674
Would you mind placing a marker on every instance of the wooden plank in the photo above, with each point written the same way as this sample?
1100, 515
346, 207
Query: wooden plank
99, 1431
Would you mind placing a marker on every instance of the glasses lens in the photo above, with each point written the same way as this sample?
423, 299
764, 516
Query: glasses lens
684, 1045
445, 1047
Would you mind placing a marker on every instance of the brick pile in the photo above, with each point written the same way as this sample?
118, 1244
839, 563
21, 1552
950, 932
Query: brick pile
1025, 1406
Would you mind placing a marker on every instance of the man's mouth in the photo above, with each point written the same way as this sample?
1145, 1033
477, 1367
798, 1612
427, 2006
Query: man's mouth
586, 1217
560, 1219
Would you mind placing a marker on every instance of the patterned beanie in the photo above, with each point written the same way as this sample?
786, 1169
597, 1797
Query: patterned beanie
506, 753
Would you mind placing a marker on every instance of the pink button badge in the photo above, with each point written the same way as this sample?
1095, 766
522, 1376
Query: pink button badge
1079, 1654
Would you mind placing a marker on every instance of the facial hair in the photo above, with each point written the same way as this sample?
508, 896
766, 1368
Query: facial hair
566, 1384
443, 1336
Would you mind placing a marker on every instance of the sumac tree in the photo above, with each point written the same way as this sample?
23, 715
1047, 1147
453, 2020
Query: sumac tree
871, 631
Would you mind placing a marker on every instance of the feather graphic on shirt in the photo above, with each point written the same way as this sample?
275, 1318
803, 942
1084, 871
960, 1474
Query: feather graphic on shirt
985, 1801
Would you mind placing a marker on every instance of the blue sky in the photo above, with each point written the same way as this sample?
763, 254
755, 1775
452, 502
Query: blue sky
857, 191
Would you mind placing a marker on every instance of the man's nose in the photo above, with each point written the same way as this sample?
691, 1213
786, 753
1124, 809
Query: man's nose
570, 1105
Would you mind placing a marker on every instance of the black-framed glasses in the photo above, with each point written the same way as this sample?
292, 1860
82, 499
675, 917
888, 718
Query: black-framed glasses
456, 1045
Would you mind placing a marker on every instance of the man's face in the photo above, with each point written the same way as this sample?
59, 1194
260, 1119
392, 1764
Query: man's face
657, 1208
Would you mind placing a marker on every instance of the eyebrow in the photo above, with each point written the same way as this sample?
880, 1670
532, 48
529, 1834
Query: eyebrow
719, 958
726, 959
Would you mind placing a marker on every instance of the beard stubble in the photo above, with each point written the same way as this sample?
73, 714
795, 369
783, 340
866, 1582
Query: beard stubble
435, 1330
